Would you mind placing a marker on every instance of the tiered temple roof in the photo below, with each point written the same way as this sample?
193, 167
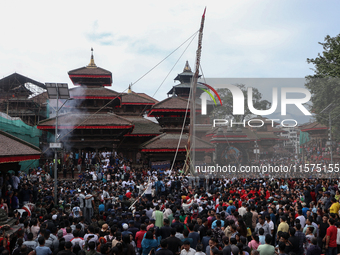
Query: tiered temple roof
168, 142
87, 121
13, 149
91, 75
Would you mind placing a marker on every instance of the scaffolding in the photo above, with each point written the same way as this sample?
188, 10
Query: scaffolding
23, 97
17, 128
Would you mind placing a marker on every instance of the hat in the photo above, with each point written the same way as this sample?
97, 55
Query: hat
137, 216
125, 226
327, 193
105, 227
131, 222
230, 201
54, 217
152, 220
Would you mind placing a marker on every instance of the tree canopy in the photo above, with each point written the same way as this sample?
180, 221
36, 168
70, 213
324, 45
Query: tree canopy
324, 84
226, 110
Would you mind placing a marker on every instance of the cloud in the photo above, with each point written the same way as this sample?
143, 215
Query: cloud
101, 38
241, 38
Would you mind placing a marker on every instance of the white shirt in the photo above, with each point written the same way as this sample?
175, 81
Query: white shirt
271, 225
242, 210
94, 176
16, 181
302, 220
93, 239
148, 189
124, 183
167, 213
190, 252
78, 240
81, 200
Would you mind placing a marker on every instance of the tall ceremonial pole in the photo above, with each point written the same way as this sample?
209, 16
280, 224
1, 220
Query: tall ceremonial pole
191, 140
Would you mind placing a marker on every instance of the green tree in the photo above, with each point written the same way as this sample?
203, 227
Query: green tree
324, 84
226, 110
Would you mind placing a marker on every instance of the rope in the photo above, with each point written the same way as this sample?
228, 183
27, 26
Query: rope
180, 137
139, 197
192, 36
130, 85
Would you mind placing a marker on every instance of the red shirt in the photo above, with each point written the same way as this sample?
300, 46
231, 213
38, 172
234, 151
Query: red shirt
7, 246
139, 238
332, 232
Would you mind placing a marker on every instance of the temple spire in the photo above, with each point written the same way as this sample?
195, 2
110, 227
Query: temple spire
187, 67
129, 89
92, 64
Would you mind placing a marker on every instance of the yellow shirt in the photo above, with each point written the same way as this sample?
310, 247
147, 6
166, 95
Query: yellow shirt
283, 226
335, 207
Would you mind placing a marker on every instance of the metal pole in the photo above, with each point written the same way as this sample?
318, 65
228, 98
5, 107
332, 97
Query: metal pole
330, 136
56, 153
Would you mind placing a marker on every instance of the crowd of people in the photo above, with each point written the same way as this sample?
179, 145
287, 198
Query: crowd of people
122, 210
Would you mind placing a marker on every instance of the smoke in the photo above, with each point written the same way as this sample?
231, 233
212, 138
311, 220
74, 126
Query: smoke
47, 151
70, 112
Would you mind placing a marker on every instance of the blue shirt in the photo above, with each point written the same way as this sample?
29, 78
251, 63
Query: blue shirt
273, 218
230, 207
43, 250
195, 239
205, 242
101, 208
213, 225
284, 187
304, 211
262, 239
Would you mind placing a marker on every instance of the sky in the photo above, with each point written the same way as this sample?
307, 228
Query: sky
242, 39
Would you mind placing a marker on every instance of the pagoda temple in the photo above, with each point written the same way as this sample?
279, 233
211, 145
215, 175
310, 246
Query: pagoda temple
98, 118
183, 88
241, 144
170, 114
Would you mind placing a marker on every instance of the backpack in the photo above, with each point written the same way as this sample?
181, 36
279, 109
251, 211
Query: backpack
194, 213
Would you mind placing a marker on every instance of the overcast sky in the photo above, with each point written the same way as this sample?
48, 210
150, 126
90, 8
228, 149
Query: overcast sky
44, 40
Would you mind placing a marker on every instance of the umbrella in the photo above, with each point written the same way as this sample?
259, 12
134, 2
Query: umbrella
11, 172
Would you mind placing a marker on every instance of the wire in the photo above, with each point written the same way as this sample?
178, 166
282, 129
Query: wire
192, 36
180, 137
